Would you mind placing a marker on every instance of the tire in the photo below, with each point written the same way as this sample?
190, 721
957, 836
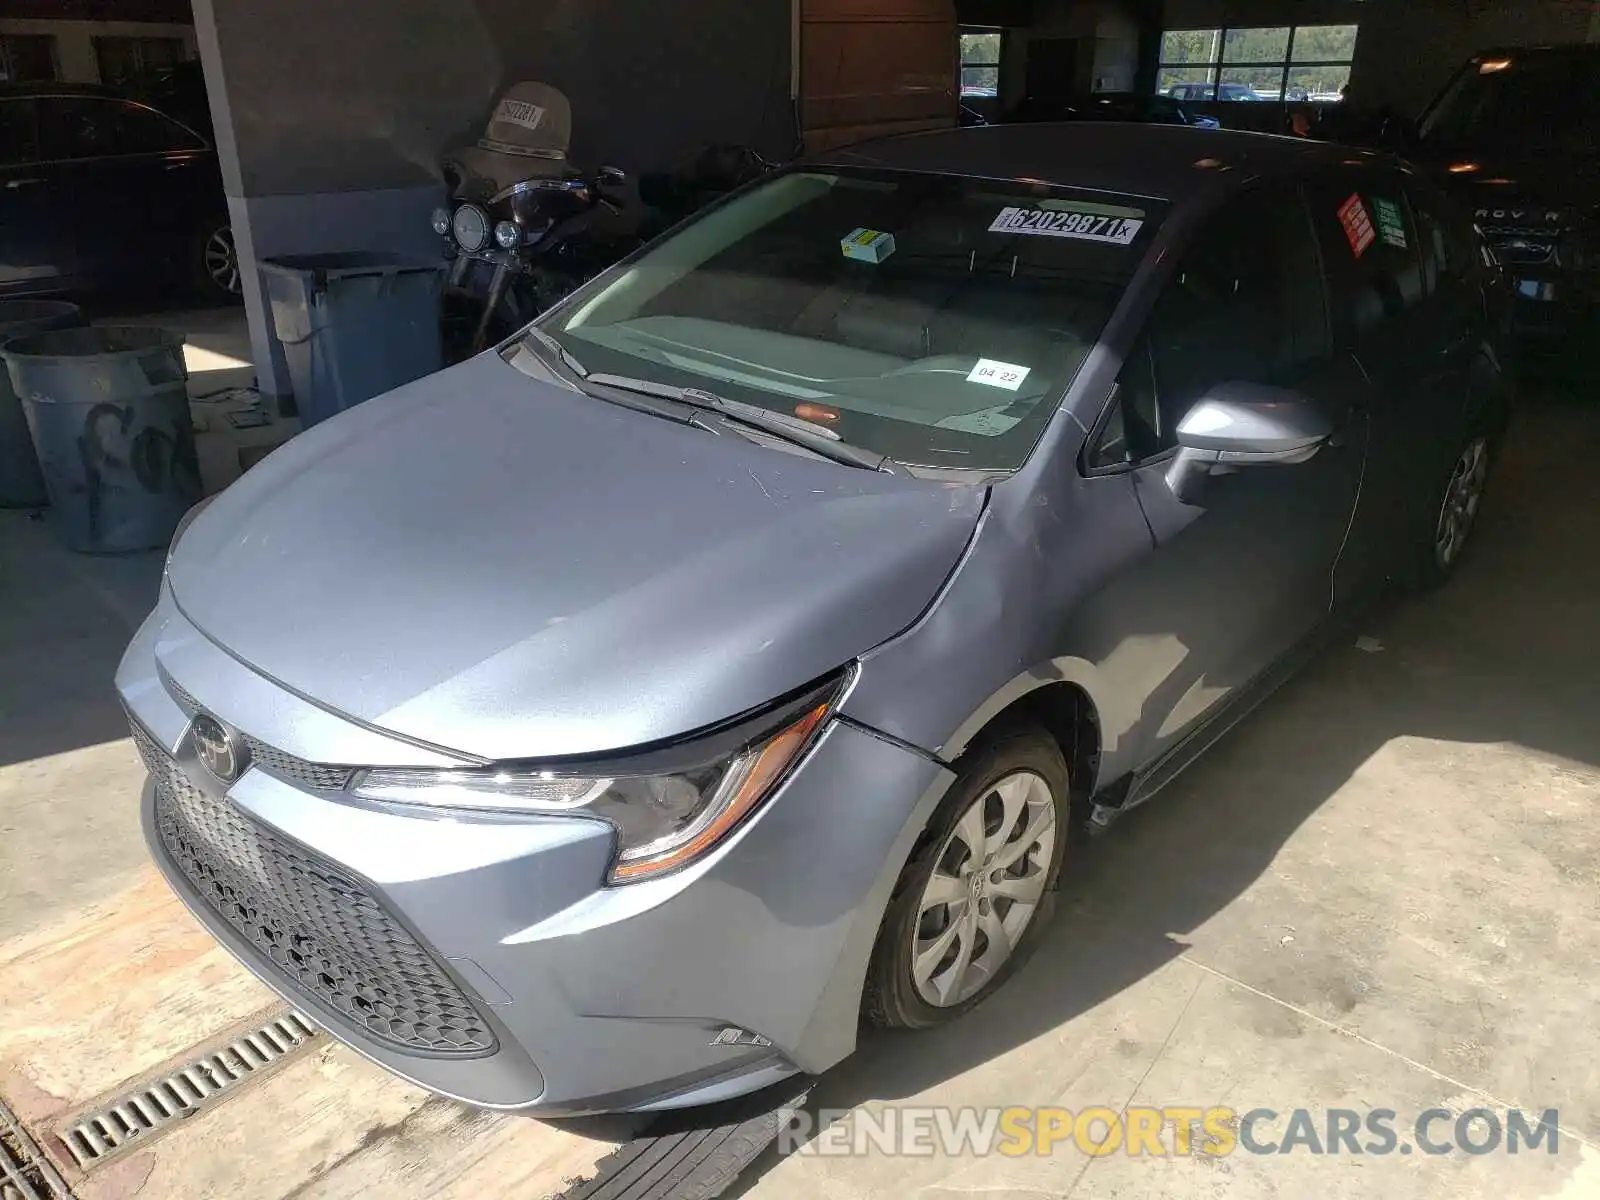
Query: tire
1452, 515
215, 263
907, 989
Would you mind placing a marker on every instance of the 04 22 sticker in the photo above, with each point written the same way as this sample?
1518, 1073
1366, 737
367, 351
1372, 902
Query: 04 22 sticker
999, 374
1068, 223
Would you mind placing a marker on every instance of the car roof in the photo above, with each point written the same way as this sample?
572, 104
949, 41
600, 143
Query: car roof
1166, 162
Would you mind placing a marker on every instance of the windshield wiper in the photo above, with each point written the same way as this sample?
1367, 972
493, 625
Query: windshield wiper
818, 439
556, 353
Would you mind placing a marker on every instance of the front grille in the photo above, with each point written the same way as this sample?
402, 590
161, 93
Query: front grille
319, 777
1521, 251
323, 931
296, 770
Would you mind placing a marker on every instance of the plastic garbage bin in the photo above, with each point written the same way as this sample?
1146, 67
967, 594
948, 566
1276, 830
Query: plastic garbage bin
109, 410
21, 484
353, 325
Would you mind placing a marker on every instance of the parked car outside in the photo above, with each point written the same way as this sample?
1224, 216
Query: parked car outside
1212, 92
612, 720
1113, 106
1514, 137
98, 192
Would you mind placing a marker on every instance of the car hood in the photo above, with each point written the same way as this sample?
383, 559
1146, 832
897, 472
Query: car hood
1508, 181
505, 568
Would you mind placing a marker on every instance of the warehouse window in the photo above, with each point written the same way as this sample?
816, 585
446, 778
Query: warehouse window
1273, 62
980, 61
129, 62
27, 58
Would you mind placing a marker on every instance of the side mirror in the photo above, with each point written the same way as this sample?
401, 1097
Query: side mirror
1244, 425
612, 177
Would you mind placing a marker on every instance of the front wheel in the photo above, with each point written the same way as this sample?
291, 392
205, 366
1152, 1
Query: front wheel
976, 893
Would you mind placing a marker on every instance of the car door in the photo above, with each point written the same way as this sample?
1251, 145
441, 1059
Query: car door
1376, 276
1237, 582
1457, 309
35, 243
137, 182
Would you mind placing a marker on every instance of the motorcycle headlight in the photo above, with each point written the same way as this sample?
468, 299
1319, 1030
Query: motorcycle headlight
507, 235
668, 808
441, 221
471, 227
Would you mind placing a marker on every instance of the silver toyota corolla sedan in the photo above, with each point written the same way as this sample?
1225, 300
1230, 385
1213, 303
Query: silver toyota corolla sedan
612, 720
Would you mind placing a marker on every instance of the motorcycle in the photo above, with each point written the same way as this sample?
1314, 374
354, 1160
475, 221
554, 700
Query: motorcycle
519, 230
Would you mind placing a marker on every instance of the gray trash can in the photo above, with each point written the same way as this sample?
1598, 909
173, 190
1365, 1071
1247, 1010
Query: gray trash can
109, 410
353, 325
21, 484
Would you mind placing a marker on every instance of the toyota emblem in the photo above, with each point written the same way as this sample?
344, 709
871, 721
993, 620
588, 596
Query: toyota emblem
217, 749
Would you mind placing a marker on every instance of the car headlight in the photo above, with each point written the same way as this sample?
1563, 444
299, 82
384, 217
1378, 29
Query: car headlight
668, 807
471, 227
441, 221
507, 236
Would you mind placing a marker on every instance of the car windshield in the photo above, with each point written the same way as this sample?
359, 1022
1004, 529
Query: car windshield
1530, 102
934, 319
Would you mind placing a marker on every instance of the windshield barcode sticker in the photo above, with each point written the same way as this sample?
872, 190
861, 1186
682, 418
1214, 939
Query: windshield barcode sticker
1083, 226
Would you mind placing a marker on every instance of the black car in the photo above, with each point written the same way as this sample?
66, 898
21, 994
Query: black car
1515, 136
100, 193
1112, 106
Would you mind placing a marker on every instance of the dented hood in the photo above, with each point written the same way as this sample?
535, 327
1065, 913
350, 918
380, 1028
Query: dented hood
509, 569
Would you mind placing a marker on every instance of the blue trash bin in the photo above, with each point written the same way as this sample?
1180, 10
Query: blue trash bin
21, 483
353, 325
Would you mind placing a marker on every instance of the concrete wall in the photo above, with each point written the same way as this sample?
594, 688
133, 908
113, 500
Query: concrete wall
1109, 30
651, 83
333, 114
75, 57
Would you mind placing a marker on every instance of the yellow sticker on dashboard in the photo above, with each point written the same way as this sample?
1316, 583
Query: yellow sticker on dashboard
868, 245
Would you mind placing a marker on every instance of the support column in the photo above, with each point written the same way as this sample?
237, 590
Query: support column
330, 119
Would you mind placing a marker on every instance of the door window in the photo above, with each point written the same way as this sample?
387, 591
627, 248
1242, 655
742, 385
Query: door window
1449, 248
19, 135
78, 127
1245, 305
1369, 243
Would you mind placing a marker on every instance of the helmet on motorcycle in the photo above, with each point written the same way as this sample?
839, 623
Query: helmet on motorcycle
527, 138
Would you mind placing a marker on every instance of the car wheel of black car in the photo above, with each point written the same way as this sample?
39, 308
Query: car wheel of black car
971, 902
1453, 515
216, 262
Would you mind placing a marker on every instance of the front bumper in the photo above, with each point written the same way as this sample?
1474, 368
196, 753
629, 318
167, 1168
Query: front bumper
590, 998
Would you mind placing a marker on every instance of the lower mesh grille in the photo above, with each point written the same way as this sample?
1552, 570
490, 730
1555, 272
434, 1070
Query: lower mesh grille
324, 932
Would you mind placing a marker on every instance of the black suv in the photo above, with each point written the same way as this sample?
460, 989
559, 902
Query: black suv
98, 192
1516, 138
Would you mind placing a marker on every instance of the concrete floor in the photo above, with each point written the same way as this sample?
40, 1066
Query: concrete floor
1379, 892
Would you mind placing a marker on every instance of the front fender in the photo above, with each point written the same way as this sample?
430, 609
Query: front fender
1021, 613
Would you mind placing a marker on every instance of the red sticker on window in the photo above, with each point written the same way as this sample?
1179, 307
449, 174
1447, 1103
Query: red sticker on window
1357, 225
